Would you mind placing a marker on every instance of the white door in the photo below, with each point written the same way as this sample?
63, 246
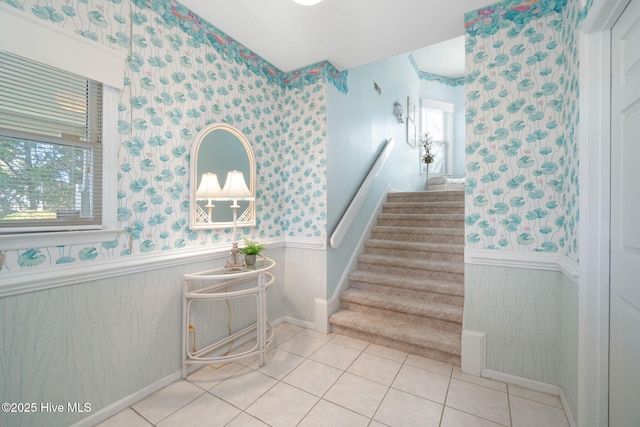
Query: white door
624, 345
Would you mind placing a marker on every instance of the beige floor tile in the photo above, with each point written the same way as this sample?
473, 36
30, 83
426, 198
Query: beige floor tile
316, 334
375, 368
278, 363
243, 388
335, 355
164, 402
326, 414
211, 375
128, 418
302, 345
429, 365
547, 399
283, 405
205, 410
425, 384
350, 342
387, 353
245, 361
485, 382
527, 413
357, 394
454, 418
291, 327
313, 377
477, 400
280, 335
246, 420
403, 409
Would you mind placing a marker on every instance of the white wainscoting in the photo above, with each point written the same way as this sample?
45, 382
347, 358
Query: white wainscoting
521, 321
118, 324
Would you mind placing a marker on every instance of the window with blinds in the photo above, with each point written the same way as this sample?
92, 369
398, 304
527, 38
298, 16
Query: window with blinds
436, 119
50, 148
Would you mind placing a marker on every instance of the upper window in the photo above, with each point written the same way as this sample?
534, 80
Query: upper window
50, 148
436, 118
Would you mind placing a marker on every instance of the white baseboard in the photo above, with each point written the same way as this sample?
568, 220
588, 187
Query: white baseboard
473, 352
124, 403
302, 323
567, 411
321, 315
522, 382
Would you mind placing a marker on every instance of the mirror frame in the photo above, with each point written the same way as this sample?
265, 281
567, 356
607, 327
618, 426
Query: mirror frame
246, 218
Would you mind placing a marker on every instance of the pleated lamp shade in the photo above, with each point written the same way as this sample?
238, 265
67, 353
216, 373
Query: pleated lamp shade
209, 187
235, 188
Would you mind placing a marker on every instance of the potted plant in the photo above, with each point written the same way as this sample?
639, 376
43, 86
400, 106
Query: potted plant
427, 156
250, 250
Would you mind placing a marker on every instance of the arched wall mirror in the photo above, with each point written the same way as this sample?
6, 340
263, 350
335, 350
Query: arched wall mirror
223, 176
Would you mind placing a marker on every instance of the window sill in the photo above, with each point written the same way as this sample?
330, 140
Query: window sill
58, 238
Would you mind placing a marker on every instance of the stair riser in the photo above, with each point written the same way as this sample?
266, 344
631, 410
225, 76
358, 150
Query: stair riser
426, 210
452, 277
426, 321
424, 198
405, 295
417, 222
426, 352
442, 297
401, 282
416, 237
436, 256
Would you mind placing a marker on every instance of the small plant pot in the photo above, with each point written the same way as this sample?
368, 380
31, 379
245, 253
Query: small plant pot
250, 259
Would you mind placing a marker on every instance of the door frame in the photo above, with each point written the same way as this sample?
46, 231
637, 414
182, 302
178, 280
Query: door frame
595, 205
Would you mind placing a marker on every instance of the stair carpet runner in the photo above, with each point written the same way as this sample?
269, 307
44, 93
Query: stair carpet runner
408, 290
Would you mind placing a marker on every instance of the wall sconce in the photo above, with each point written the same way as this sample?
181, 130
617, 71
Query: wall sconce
235, 188
208, 190
398, 111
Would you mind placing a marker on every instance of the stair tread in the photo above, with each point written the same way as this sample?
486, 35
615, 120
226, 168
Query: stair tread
419, 230
398, 303
428, 194
430, 216
399, 330
426, 203
413, 263
393, 280
451, 248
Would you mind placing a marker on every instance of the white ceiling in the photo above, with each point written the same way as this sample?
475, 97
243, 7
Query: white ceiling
347, 33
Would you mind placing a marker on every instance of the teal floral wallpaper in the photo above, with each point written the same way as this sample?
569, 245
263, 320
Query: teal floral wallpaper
521, 115
177, 81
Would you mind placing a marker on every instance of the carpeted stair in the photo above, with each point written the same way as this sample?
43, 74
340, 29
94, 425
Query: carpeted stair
408, 290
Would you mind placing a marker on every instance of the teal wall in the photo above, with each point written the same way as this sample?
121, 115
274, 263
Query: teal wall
359, 123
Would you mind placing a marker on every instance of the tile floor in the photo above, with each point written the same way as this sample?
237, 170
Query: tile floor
311, 379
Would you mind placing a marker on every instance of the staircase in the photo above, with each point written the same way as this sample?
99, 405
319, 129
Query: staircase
408, 290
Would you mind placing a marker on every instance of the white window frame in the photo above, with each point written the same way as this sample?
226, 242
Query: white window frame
448, 109
68, 51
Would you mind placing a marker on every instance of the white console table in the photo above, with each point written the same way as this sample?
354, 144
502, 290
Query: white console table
217, 284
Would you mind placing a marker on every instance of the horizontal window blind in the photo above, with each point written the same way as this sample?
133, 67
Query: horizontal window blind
50, 147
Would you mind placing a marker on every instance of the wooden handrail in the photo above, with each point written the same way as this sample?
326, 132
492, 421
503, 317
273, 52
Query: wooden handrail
349, 216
